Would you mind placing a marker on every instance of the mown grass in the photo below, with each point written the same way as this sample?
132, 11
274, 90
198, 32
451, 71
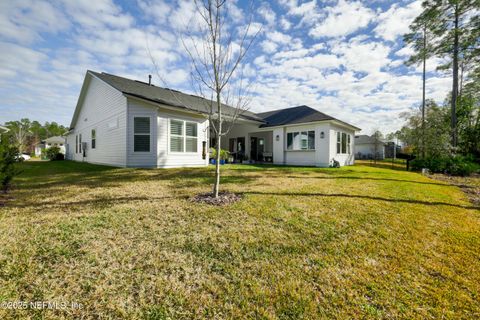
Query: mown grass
354, 242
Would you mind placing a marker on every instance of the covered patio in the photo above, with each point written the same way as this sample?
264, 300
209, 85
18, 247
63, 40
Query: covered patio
256, 147
249, 142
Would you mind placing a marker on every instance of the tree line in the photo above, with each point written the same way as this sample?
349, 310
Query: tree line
25, 134
450, 31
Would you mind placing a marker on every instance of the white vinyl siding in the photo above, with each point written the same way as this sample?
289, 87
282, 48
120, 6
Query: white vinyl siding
103, 109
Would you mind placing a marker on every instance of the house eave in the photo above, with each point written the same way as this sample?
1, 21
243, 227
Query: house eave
337, 122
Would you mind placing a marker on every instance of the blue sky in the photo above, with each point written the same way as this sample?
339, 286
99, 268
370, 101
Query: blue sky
344, 58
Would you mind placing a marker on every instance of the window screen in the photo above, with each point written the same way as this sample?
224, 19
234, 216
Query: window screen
94, 138
191, 137
304, 140
339, 142
183, 136
290, 141
141, 134
311, 140
176, 136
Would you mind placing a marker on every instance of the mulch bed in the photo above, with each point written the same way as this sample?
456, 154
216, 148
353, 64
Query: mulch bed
469, 185
224, 198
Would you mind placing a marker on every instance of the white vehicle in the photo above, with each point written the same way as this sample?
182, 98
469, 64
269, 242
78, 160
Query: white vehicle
23, 157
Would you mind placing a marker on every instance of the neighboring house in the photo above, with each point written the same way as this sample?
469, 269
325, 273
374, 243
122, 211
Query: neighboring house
50, 142
128, 123
392, 149
368, 147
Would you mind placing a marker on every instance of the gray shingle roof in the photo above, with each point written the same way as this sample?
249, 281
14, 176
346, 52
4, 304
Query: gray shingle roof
55, 139
165, 96
364, 139
174, 98
294, 115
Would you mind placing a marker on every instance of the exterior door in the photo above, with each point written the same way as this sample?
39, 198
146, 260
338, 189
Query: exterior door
261, 149
240, 148
254, 148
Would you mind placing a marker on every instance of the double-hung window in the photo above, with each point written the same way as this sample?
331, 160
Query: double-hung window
191, 137
343, 143
176, 136
76, 143
183, 136
303, 140
80, 143
141, 134
94, 138
349, 148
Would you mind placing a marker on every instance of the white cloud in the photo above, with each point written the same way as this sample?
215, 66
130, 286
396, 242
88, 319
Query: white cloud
396, 20
363, 56
285, 24
343, 19
269, 46
156, 10
25, 20
97, 14
268, 14
280, 38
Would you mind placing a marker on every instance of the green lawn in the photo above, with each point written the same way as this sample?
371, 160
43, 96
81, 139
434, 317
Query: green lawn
355, 242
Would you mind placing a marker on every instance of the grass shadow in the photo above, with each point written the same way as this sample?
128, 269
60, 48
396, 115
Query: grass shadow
341, 195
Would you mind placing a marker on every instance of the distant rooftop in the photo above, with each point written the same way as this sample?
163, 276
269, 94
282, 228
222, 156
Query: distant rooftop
364, 139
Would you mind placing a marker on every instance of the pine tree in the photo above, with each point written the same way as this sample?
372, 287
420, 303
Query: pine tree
455, 23
421, 33
454, 36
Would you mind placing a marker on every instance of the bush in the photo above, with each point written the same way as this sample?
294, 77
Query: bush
8, 170
53, 154
454, 165
434, 164
223, 154
461, 166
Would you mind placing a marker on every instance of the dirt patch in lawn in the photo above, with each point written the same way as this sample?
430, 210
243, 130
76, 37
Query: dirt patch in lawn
469, 185
224, 198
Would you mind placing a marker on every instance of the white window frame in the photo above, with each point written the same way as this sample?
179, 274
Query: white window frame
142, 134
303, 136
340, 138
183, 136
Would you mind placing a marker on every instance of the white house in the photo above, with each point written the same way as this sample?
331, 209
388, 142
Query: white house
50, 142
128, 123
369, 147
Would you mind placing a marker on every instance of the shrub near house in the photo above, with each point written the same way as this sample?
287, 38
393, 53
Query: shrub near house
53, 154
8, 158
454, 165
